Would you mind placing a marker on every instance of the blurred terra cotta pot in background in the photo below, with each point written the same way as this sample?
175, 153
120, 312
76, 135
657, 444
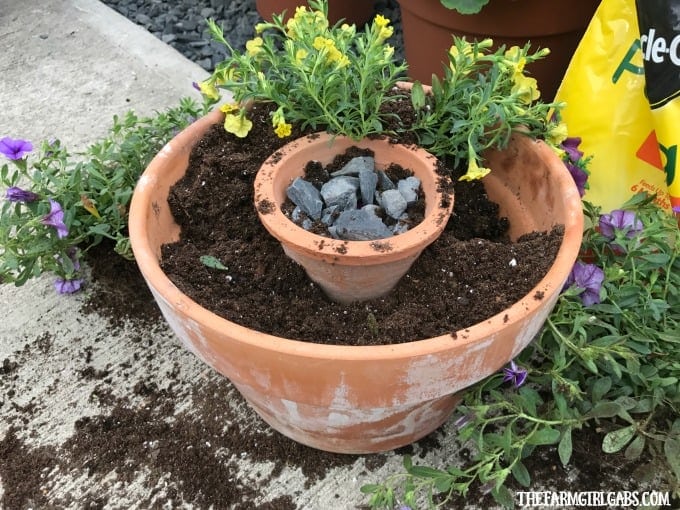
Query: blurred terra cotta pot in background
363, 399
428, 28
351, 270
352, 11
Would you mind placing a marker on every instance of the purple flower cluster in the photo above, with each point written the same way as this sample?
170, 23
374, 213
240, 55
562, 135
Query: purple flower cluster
15, 149
588, 277
626, 221
573, 156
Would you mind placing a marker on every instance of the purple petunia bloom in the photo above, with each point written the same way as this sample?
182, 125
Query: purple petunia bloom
515, 374
620, 220
63, 286
15, 149
676, 209
14, 194
579, 175
55, 218
588, 277
570, 146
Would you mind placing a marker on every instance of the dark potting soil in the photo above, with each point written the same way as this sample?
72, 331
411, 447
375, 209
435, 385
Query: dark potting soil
465, 277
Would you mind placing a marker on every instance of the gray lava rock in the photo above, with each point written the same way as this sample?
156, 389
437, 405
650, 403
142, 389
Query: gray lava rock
306, 197
384, 181
409, 189
341, 191
360, 225
355, 166
393, 202
368, 182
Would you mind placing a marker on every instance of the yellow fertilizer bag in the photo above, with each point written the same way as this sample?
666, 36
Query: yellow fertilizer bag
633, 140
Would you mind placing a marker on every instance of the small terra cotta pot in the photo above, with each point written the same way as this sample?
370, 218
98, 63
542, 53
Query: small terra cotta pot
360, 399
351, 270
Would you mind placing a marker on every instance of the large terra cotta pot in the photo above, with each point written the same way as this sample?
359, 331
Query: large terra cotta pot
350, 271
429, 27
352, 11
370, 398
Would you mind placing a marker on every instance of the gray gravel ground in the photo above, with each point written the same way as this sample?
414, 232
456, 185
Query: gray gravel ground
182, 24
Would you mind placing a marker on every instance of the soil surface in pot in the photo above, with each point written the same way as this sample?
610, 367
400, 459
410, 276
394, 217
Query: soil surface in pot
469, 274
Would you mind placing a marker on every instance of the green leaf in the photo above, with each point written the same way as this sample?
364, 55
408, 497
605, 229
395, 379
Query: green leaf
521, 474
503, 497
601, 387
545, 435
564, 448
417, 95
369, 488
605, 409
671, 448
614, 441
212, 262
426, 472
635, 448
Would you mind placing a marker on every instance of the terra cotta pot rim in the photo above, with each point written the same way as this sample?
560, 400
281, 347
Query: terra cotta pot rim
351, 252
149, 265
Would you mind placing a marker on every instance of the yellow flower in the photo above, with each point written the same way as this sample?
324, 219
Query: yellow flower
300, 55
283, 129
254, 46
514, 60
385, 33
321, 43
557, 133
381, 21
261, 27
526, 88
238, 125
300, 12
209, 90
474, 171
229, 107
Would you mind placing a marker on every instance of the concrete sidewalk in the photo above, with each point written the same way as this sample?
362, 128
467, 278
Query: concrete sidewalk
66, 67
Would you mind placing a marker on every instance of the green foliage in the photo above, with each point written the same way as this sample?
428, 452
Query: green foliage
615, 364
93, 188
465, 6
321, 76
333, 78
481, 99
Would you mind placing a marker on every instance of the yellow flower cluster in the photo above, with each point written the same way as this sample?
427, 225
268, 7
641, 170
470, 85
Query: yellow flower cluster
382, 25
325, 45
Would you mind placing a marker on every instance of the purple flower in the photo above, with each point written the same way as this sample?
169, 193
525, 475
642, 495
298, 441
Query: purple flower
55, 218
63, 286
404, 507
195, 85
463, 420
588, 277
15, 149
515, 374
570, 146
579, 175
620, 220
14, 194
676, 209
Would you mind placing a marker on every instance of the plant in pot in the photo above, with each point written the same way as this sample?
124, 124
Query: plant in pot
305, 77
429, 25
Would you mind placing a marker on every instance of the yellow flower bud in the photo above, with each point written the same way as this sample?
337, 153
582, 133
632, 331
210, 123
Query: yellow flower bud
557, 133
